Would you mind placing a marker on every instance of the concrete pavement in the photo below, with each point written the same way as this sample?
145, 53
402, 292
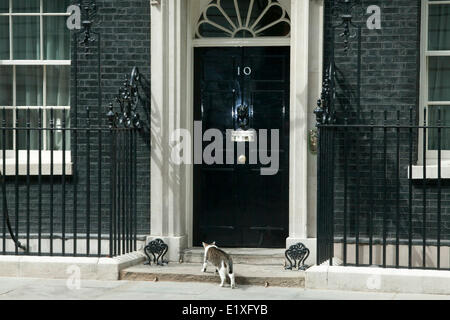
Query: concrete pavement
44, 289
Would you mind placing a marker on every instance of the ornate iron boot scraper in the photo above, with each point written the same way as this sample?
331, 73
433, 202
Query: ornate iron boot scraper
297, 252
158, 249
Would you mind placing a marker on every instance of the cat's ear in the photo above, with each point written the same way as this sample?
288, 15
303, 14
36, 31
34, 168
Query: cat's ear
204, 245
214, 243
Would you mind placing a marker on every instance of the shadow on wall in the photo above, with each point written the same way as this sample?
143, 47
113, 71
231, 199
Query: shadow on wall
159, 137
145, 102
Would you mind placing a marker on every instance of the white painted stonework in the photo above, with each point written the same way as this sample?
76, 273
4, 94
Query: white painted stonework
62, 267
378, 280
172, 41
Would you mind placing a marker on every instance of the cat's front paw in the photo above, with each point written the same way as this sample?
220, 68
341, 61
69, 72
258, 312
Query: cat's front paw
203, 269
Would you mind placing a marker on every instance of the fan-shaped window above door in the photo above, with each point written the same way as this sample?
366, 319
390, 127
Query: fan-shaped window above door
243, 19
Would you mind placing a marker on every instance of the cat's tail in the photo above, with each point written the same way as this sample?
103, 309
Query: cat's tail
230, 266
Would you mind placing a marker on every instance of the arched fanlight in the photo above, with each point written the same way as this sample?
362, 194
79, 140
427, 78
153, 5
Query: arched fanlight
243, 19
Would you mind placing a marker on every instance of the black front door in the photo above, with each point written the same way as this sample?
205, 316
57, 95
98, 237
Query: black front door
242, 89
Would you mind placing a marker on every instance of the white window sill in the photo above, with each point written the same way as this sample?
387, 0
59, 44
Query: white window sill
46, 163
431, 171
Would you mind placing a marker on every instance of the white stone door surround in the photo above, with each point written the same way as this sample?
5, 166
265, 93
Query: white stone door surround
172, 43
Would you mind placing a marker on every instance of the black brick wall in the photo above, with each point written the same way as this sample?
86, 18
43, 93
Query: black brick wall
125, 33
390, 83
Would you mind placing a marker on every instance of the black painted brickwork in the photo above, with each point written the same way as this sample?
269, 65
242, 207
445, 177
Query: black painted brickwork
390, 83
125, 31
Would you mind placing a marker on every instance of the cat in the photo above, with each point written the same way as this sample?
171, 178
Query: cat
221, 260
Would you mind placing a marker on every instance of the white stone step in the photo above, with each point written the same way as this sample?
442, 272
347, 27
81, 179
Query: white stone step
274, 276
249, 256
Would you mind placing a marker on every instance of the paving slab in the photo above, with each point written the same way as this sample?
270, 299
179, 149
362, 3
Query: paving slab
45, 289
259, 275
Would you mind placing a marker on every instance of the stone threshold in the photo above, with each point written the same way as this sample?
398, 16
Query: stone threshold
251, 256
245, 274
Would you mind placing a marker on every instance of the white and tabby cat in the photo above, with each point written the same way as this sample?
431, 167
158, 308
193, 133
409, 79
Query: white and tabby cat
221, 260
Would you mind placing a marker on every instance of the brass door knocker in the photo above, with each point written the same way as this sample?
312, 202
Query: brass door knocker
313, 140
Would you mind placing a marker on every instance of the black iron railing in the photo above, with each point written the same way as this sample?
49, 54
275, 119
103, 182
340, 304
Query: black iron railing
383, 192
383, 181
58, 202
70, 188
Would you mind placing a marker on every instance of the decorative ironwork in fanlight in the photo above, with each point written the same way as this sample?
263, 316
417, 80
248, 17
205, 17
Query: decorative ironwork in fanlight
298, 253
158, 249
88, 10
346, 12
128, 101
243, 19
